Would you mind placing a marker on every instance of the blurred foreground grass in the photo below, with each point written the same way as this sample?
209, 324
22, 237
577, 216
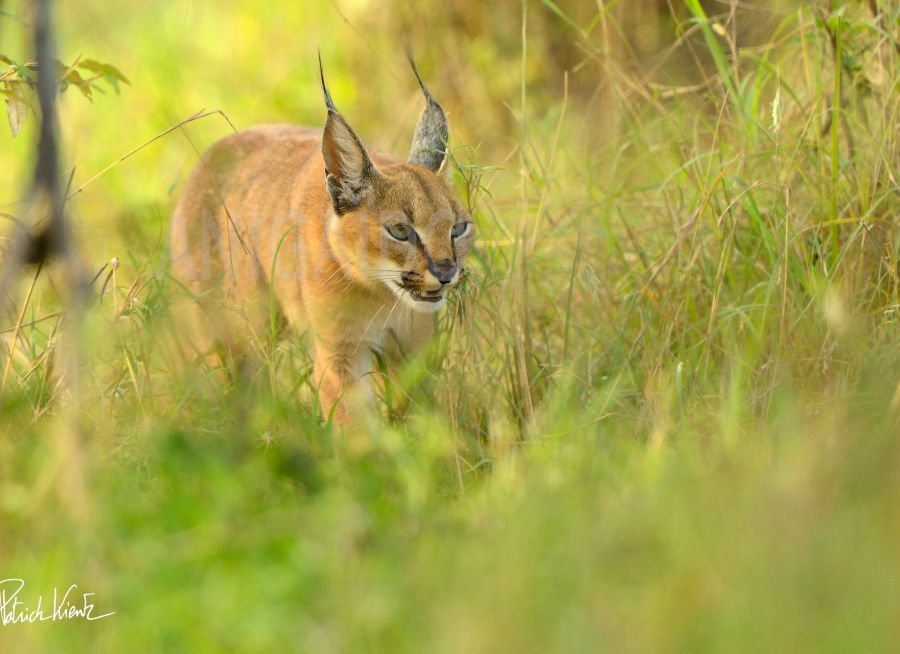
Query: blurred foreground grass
664, 416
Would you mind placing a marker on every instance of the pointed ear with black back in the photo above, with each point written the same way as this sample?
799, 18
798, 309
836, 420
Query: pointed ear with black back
349, 170
429, 144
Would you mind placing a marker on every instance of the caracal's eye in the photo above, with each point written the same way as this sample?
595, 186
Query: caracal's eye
459, 229
401, 231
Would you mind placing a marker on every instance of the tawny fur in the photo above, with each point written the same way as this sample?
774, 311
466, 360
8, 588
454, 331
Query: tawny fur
263, 191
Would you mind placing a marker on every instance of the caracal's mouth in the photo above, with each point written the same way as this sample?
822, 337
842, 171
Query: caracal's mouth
429, 296
424, 301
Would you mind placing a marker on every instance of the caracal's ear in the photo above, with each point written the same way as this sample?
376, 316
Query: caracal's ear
349, 171
429, 144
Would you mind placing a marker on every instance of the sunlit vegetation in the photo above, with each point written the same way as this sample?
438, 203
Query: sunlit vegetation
663, 412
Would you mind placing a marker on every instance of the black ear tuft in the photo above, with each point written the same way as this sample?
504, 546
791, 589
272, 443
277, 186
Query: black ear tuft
328, 103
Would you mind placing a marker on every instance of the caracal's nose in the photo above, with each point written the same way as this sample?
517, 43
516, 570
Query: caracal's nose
444, 270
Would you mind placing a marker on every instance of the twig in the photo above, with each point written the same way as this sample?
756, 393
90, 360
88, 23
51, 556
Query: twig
197, 116
19, 320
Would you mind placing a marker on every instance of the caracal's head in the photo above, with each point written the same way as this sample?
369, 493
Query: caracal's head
397, 225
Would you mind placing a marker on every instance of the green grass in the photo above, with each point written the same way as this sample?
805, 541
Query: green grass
663, 413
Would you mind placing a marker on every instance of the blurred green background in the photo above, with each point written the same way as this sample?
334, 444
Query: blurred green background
662, 415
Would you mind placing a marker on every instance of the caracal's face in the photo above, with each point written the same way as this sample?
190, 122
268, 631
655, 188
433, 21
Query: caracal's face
409, 235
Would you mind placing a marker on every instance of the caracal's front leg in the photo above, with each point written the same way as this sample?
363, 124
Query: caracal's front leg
344, 387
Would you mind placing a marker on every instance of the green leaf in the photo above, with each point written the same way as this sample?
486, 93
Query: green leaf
720, 59
837, 18
21, 71
110, 73
74, 78
16, 108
